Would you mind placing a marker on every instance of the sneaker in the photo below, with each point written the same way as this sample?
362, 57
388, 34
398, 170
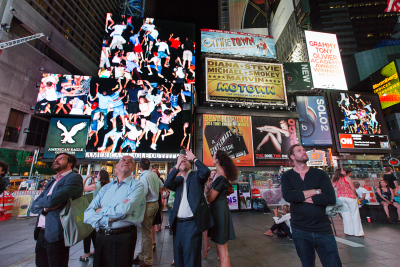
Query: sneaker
162, 137
167, 226
150, 73
153, 146
137, 143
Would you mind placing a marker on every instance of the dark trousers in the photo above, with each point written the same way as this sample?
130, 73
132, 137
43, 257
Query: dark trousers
307, 243
87, 240
187, 245
51, 254
282, 226
115, 249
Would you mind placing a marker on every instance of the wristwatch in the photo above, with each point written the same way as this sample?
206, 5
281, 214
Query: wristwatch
317, 191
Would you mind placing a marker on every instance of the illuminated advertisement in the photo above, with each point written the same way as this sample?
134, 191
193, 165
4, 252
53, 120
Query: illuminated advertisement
316, 158
313, 121
325, 60
228, 133
147, 49
251, 16
272, 137
297, 76
66, 135
232, 199
385, 82
231, 80
237, 43
63, 94
358, 123
139, 116
280, 18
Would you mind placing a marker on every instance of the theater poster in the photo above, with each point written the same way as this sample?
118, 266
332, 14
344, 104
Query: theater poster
232, 80
272, 137
229, 133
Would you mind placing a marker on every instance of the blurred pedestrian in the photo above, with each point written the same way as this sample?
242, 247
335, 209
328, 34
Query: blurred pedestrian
390, 178
3, 182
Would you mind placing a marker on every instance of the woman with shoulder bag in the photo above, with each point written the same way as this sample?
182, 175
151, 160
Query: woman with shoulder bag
347, 194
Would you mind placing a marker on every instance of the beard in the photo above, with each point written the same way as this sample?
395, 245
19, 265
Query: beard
58, 167
302, 160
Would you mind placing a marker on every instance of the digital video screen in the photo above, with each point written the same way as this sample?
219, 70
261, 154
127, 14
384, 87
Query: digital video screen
386, 83
359, 122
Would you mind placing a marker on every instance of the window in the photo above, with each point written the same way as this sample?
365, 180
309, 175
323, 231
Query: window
37, 132
14, 125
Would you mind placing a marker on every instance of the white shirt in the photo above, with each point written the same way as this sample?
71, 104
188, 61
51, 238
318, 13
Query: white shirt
163, 47
154, 34
119, 29
184, 210
362, 190
133, 133
285, 218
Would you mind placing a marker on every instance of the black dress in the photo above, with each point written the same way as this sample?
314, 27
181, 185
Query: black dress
157, 219
223, 230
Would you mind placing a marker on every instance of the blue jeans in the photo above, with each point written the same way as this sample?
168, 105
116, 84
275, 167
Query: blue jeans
363, 202
306, 243
169, 215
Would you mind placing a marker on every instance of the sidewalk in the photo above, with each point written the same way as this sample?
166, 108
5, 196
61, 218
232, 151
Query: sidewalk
379, 247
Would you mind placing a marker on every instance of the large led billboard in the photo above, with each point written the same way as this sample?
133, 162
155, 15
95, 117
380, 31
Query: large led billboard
66, 135
297, 76
385, 82
272, 137
358, 123
232, 80
237, 43
325, 60
228, 133
63, 95
147, 49
313, 121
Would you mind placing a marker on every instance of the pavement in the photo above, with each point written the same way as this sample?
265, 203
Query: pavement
379, 247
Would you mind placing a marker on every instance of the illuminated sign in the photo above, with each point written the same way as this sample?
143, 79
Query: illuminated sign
325, 60
237, 43
95, 155
358, 123
316, 158
280, 18
297, 76
386, 83
230, 80
394, 162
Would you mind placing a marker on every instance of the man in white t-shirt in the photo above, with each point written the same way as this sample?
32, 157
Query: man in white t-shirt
362, 194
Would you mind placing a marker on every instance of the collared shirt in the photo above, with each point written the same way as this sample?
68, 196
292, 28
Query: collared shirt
153, 184
111, 198
184, 210
42, 219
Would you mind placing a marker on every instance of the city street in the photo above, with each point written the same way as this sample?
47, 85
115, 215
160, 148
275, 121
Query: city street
379, 247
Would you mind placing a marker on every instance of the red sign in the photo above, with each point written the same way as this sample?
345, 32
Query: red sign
346, 141
394, 162
29, 159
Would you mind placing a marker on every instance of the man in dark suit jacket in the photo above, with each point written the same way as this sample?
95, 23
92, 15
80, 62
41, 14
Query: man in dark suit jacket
190, 214
49, 233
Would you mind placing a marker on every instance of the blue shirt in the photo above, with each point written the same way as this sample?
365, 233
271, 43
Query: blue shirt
152, 185
111, 198
118, 102
103, 101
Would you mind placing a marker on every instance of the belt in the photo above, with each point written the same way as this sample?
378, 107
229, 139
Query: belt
185, 219
116, 231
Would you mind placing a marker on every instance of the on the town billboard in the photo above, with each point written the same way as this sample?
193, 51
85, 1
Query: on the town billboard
66, 135
232, 80
229, 133
358, 123
237, 43
325, 60
297, 76
314, 121
385, 82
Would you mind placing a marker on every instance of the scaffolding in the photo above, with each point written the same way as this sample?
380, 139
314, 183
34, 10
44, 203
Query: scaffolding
134, 8
15, 42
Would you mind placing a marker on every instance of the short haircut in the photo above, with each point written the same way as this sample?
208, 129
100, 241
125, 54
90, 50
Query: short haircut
71, 159
388, 169
144, 164
348, 172
4, 168
290, 151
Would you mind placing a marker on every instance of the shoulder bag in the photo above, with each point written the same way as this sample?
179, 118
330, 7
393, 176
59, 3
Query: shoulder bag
71, 217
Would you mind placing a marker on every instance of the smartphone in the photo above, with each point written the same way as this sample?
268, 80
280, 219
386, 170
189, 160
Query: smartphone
183, 152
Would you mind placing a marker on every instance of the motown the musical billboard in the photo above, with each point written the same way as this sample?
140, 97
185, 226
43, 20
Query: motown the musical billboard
231, 80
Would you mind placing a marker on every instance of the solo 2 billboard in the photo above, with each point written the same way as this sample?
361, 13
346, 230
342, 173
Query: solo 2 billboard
297, 76
385, 82
272, 137
237, 43
325, 60
229, 133
66, 135
358, 123
314, 121
232, 80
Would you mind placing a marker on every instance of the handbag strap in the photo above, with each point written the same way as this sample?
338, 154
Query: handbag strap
348, 189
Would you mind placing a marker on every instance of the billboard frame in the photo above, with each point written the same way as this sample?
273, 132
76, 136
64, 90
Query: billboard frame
234, 101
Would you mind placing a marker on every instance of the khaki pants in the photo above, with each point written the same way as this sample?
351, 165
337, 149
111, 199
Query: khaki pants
146, 253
